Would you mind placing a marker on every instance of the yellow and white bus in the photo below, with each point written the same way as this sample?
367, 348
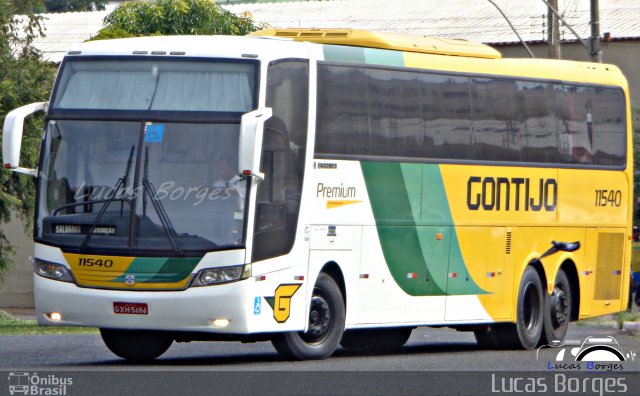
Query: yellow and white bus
326, 187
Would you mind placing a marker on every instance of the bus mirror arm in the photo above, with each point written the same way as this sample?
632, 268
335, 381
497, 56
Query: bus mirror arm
561, 247
12, 136
250, 142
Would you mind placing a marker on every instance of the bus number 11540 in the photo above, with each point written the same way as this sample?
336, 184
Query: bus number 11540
612, 198
89, 262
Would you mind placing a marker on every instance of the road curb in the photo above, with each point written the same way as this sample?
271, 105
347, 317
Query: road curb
21, 313
632, 327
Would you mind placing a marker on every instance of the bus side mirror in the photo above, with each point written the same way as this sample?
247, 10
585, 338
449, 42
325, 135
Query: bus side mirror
12, 136
250, 143
566, 246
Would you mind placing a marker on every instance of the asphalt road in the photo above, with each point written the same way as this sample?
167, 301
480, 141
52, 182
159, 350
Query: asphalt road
427, 350
434, 361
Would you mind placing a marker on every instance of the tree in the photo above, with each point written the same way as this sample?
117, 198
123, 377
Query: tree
24, 78
166, 17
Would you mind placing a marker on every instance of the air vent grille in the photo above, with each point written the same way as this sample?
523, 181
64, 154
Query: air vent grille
609, 266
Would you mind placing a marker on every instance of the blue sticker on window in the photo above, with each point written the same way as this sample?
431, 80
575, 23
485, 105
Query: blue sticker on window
154, 133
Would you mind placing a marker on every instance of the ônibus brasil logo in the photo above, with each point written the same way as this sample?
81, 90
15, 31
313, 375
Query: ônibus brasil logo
21, 383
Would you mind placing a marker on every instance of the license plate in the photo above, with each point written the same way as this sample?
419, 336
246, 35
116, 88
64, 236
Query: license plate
127, 308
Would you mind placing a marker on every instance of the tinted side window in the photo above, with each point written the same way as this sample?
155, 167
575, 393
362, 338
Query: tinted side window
609, 126
496, 127
375, 112
343, 116
575, 133
395, 124
536, 107
445, 110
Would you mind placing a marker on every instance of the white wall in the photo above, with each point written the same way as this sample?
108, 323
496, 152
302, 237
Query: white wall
17, 290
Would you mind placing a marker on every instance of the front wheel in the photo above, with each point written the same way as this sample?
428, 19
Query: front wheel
135, 345
326, 324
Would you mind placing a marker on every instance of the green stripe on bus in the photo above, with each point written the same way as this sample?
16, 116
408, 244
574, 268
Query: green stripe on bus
339, 53
370, 56
392, 204
159, 270
374, 56
175, 270
410, 207
435, 208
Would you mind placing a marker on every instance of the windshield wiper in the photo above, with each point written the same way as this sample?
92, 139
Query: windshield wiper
117, 189
149, 189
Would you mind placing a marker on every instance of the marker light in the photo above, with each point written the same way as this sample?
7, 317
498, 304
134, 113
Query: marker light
220, 323
56, 316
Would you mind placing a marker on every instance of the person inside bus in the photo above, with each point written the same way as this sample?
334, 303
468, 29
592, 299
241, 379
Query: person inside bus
229, 190
229, 180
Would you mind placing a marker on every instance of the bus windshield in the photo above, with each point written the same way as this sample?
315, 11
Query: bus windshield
181, 186
141, 156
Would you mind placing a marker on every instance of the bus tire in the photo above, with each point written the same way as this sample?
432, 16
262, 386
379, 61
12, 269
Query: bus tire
526, 333
557, 309
326, 325
376, 340
136, 345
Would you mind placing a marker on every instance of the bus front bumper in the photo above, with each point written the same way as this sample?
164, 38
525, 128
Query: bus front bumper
221, 308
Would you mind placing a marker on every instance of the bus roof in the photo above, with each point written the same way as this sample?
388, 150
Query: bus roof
434, 53
193, 46
383, 40
468, 57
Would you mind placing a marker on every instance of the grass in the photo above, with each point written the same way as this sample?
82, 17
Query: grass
611, 319
10, 325
626, 317
606, 320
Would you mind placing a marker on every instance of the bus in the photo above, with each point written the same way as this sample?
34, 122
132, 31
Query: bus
326, 188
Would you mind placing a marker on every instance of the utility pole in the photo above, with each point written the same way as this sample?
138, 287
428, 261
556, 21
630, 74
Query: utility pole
594, 40
553, 31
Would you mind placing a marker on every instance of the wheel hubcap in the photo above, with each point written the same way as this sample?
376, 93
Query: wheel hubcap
559, 306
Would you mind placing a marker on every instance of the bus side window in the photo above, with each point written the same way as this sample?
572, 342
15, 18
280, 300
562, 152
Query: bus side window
271, 210
283, 154
574, 124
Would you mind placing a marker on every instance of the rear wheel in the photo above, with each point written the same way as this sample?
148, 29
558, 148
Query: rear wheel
376, 339
326, 324
557, 309
135, 345
526, 333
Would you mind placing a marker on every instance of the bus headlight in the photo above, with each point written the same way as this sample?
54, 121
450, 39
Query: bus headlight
53, 271
212, 276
